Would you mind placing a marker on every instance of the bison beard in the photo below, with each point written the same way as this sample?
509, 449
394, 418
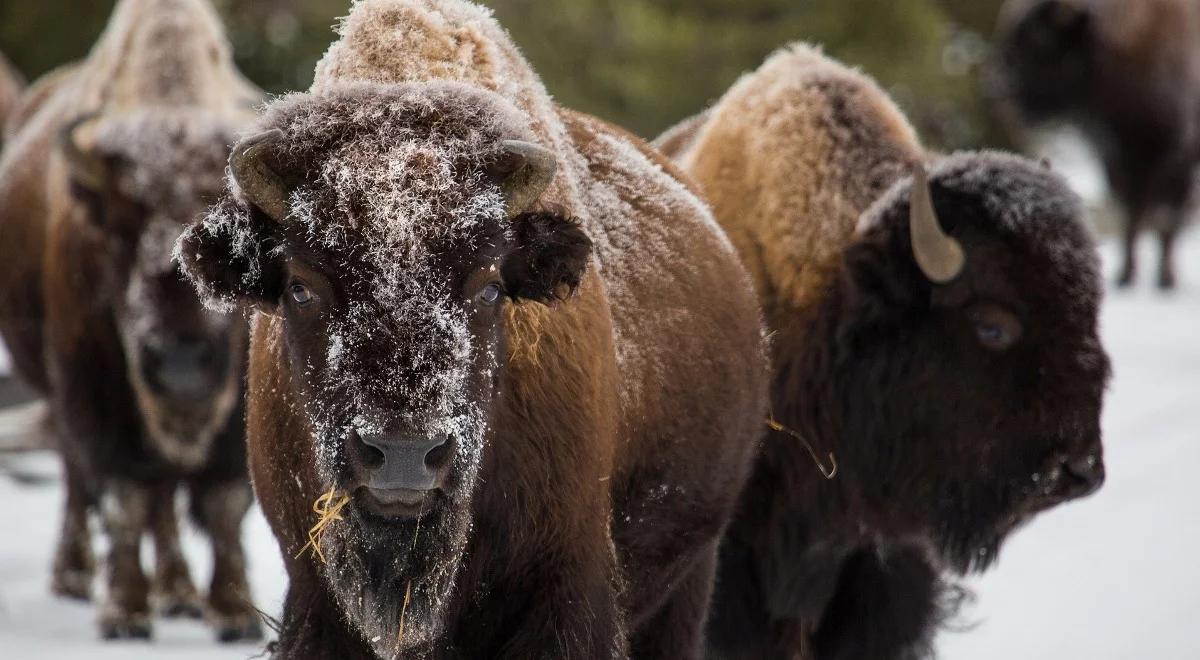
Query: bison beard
393, 579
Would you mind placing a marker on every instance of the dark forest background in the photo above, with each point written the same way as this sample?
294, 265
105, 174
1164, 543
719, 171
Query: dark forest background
644, 64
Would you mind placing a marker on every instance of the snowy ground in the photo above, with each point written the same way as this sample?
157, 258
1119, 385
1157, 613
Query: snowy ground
1113, 577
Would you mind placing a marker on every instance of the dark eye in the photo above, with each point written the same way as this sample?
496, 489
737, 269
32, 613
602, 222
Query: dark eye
300, 294
996, 328
490, 293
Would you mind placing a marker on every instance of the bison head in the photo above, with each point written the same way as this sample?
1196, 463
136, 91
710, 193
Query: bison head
1044, 60
971, 371
138, 178
388, 228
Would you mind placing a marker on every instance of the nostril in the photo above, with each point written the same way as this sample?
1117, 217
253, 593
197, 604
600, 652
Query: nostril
370, 456
1088, 468
1088, 471
438, 456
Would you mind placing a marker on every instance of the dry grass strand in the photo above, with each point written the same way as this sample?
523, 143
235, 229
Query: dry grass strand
827, 472
327, 510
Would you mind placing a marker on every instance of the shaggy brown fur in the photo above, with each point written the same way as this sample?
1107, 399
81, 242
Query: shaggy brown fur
606, 435
954, 411
107, 160
1128, 73
11, 85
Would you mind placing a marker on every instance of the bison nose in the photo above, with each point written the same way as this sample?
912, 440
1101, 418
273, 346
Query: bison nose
181, 367
1087, 471
395, 462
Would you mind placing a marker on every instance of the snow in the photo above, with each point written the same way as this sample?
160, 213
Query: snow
1108, 578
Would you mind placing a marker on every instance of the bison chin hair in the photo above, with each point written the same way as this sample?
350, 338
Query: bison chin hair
394, 579
974, 526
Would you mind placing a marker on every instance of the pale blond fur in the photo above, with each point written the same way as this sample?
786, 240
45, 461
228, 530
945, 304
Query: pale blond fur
789, 158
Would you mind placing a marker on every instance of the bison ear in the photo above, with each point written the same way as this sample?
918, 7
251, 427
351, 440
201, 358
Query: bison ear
875, 278
231, 257
550, 258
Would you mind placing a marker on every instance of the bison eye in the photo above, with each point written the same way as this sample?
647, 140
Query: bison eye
300, 294
996, 328
490, 294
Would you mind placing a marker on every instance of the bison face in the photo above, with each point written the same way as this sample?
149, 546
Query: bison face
389, 241
145, 176
1044, 60
989, 378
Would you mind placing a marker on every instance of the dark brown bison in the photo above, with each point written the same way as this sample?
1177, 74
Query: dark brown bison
504, 340
934, 341
1128, 73
145, 385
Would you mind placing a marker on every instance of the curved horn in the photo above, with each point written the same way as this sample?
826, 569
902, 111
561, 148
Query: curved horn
524, 170
261, 185
940, 257
86, 168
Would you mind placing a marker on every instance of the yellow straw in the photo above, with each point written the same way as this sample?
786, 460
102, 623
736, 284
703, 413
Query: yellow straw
327, 511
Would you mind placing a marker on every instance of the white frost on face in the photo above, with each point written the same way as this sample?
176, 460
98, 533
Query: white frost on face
169, 161
384, 209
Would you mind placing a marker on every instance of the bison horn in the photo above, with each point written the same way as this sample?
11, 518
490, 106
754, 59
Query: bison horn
524, 171
261, 184
940, 257
86, 168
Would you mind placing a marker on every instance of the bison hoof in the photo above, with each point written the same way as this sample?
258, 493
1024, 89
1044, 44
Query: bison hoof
180, 607
1166, 281
1125, 279
75, 584
238, 628
132, 626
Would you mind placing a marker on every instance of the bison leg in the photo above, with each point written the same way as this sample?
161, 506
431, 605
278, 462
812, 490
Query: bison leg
888, 605
125, 507
74, 564
1166, 263
219, 509
676, 631
1129, 266
174, 593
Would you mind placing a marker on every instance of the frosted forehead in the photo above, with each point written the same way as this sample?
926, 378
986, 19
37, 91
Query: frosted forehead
389, 171
170, 160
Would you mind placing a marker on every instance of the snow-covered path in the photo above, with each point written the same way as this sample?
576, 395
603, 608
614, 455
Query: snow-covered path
1115, 577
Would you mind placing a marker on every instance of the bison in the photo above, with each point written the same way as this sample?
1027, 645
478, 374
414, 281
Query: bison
934, 348
501, 345
1128, 73
145, 384
11, 86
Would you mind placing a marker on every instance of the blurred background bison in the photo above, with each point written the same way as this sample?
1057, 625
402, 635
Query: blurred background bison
144, 384
12, 83
646, 64
1128, 73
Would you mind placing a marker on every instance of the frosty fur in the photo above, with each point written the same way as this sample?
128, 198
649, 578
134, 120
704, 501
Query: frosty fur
595, 463
87, 286
942, 446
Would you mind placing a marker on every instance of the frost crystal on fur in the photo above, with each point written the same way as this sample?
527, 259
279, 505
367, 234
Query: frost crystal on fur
393, 180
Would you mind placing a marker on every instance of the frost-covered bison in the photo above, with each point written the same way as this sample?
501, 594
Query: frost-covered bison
1128, 73
937, 337
500, 343
145, 385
